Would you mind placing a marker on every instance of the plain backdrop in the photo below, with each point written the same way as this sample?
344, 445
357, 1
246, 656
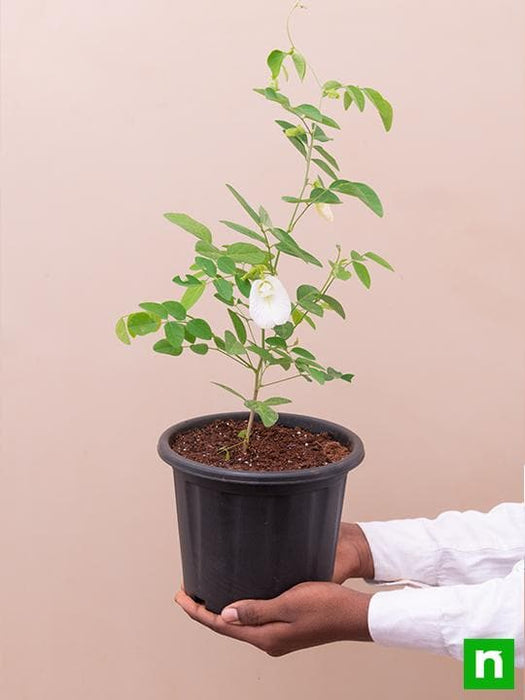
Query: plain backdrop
115, 112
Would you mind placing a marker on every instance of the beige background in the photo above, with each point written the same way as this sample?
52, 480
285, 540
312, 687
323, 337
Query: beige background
117, 111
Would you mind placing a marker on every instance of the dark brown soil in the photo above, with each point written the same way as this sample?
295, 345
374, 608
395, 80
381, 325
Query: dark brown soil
274, 449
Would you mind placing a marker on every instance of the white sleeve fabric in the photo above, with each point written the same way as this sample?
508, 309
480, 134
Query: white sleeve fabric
439, 619
469, 547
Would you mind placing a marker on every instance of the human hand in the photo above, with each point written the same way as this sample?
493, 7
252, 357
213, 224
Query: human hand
307, 615
353, 557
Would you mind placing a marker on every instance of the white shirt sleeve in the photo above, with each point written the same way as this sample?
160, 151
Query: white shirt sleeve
455, 547
485, 550
439, 619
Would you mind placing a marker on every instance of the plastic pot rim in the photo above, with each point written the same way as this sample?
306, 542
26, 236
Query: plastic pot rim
312, 474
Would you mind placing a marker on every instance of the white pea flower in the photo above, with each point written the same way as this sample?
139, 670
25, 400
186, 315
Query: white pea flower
325, 210
269, 302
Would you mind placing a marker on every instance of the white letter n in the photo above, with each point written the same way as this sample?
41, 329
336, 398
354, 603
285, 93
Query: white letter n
482, 657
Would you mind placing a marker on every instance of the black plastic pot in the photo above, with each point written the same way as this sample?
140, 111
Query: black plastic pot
256, 534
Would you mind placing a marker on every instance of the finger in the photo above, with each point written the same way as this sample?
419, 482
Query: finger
258, 636
254, 612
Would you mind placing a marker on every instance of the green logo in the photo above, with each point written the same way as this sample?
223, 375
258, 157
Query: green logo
488, 663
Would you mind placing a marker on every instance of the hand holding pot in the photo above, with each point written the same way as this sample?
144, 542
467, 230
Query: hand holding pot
307, 615
353, 557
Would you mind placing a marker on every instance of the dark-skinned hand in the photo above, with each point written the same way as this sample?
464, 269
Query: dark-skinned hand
308, 614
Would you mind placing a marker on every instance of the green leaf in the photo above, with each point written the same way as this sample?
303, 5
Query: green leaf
267, 414
276, 401
356, 256
340, 272
383, 106
191, 226
305, 291
190, 280
238, 325
284, 330
275, 61
328, 121
166, 348
122, 332
192, 295
276, 342
266, 222
333, 373
219, 342
303, 353
232, 345
206, 265
293, 200
347, 377
325, 167
307, 297
207, 249
362, 272
283, 362
175, 309
287, 244
228, 388
298, 316
285, 125
261, 352
363, 192
226, 265
311, 112
143, 323
224, 288
333, 304
199, 348
300, 64
327, 156
320, 377
244, 286
312, 307
274, 96
319, 134
379, 260
246, 253
356, 94
244, 230
347, 99
297, 143
322, 195
244, 204
331, 85
154, 308
199, 328
174, 333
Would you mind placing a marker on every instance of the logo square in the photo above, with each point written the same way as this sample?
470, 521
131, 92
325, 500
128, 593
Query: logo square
488, 664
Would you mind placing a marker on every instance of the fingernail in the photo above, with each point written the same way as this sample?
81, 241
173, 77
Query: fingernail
230, 615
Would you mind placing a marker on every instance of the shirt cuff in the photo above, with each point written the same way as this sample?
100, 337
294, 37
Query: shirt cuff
396, 554
406, 618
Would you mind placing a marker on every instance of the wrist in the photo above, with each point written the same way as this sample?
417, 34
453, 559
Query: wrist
358, 551
356, 617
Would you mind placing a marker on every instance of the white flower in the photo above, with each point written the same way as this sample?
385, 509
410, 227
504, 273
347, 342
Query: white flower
325, 210
269, 302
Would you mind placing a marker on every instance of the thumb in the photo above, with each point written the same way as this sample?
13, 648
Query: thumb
252, 612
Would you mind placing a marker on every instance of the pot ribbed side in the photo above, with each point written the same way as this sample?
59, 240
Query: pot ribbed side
257, 534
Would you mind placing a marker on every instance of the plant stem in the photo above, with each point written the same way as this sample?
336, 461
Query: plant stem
279, 381
256, 387
292, 223
235, 359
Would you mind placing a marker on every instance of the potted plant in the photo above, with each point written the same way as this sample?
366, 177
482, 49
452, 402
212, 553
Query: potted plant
259, 494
